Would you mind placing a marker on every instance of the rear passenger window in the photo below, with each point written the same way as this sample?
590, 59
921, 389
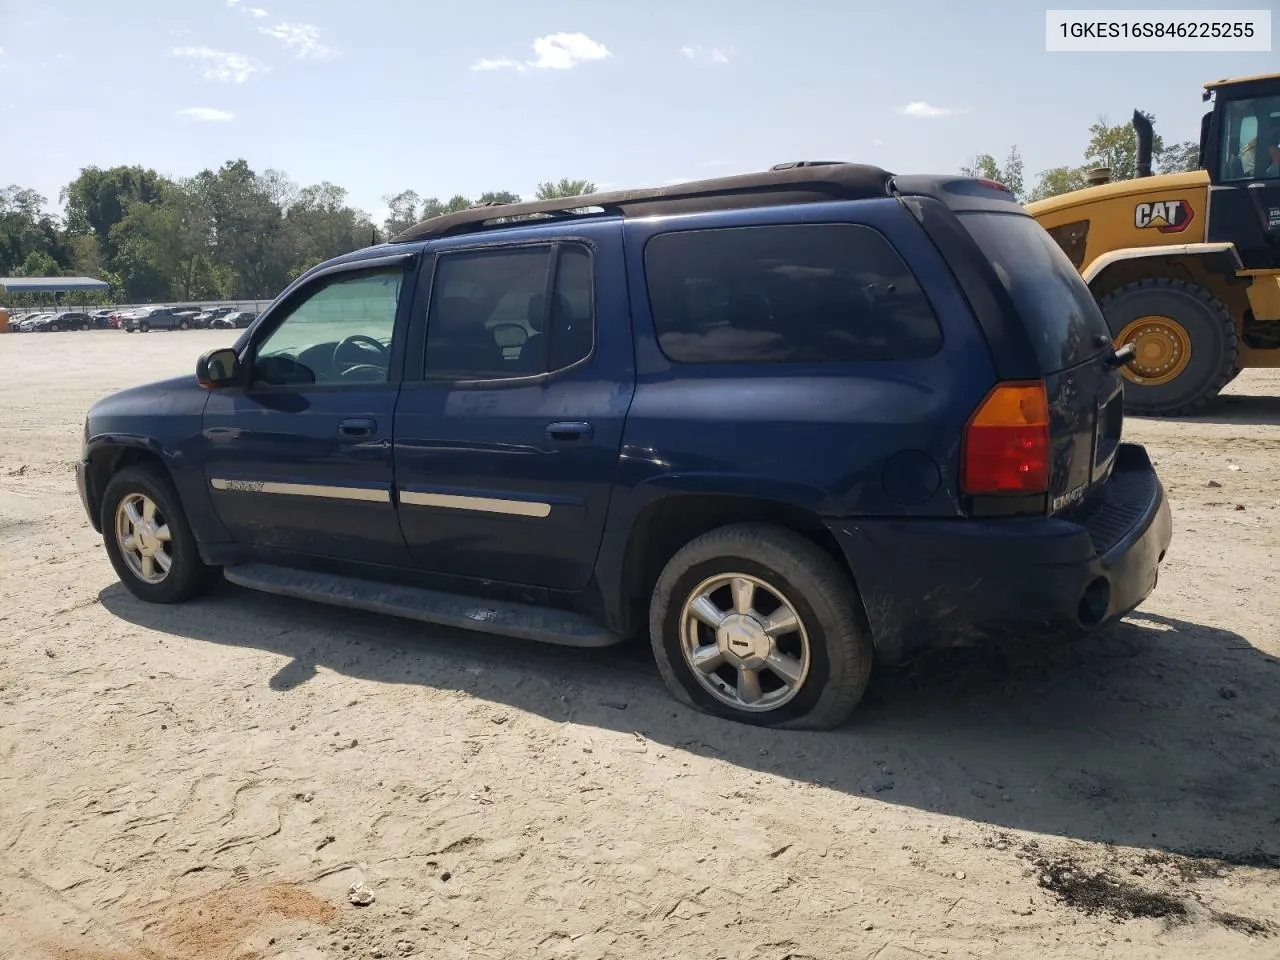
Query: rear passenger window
786, 294
497, 314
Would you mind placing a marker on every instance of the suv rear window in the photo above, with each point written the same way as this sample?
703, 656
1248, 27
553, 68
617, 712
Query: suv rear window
1060, 313
802, 293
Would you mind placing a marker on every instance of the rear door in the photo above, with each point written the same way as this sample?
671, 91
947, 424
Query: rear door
1072, 346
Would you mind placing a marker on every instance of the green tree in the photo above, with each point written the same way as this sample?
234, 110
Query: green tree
499, 196
319, 224
565, 188
248, 229
1011, 174
163, 249
1180, 157
403, 211
1057, 180
99, 199
1116, 147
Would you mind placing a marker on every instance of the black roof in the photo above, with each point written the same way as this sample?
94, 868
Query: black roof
801, 182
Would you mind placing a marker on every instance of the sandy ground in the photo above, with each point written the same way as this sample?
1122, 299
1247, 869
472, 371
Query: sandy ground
208, 781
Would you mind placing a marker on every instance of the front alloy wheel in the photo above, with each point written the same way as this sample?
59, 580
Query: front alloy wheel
148, 539
144, 538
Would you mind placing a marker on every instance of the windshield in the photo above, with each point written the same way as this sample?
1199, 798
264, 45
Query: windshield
1063, 319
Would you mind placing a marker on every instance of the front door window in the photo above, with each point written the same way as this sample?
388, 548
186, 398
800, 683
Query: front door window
339, 334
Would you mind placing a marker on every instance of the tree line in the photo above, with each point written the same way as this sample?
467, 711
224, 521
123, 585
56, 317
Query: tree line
234, 233
226, 234
1112, 146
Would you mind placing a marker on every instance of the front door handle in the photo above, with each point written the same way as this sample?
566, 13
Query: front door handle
569, 431
357, 427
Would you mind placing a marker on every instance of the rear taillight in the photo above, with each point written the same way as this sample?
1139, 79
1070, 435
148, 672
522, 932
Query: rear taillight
1006, 442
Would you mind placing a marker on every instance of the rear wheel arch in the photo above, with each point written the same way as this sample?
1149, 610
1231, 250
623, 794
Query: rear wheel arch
663, 527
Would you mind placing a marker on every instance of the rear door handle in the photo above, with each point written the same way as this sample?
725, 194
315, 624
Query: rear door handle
569, 431
357, 427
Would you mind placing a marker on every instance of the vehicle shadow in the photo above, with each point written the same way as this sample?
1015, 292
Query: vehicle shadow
1157, 733
1235, 408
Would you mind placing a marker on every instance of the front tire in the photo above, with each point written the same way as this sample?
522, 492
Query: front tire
789, 649
144, 327
1187, 345
149, 540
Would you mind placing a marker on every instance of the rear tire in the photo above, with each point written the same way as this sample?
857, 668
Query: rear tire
147, 489
1210, 363
824, 660
184, 325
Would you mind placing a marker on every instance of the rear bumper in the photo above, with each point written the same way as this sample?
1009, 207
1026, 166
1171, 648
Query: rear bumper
940, 583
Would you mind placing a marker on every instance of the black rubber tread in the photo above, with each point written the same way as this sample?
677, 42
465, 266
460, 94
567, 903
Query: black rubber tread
1208, 323
189, 576
842, 651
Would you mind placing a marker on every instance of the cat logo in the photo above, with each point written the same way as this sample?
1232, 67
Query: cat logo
1167, 216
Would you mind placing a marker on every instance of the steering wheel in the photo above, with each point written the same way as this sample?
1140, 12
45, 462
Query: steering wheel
362, 340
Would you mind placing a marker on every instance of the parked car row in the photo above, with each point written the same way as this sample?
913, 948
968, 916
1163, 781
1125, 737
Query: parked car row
141, 320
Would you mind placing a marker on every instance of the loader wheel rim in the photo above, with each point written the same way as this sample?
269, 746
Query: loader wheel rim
1163, 350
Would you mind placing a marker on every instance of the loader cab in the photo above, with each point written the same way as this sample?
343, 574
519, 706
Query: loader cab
1240, 150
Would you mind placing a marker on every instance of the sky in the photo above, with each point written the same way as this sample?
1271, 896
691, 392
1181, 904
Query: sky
380, 96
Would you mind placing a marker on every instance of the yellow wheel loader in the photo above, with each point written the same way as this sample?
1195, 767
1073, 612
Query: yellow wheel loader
1186, 266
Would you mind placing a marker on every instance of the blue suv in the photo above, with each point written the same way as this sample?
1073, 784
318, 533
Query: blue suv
787, 424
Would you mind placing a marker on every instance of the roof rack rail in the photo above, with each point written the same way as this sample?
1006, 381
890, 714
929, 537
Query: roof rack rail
802, 182
804, 163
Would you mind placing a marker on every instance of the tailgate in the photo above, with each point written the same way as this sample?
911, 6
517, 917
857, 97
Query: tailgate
1072, 345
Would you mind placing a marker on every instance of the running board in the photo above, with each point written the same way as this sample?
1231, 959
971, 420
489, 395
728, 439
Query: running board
522, 620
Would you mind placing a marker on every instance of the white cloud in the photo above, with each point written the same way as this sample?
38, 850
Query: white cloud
206, 115
715, 54
220, 65
563, 51
927, 111
502, 63
302, 38
232, 3
556, 51
877, 143
257, 11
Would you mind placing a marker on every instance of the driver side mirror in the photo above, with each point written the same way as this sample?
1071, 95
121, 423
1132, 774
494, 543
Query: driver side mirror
218, 368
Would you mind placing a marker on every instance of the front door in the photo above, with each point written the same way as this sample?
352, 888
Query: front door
300, 459
507, 446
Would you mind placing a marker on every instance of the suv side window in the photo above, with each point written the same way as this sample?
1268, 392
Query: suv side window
802, 293
339, 334
517, 312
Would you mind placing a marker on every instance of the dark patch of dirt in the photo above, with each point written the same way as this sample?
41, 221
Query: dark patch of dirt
1097, 892
1190, 869
1245, 925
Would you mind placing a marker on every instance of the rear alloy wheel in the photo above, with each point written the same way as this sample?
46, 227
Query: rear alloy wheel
1186, 345
755, 623
148, 539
